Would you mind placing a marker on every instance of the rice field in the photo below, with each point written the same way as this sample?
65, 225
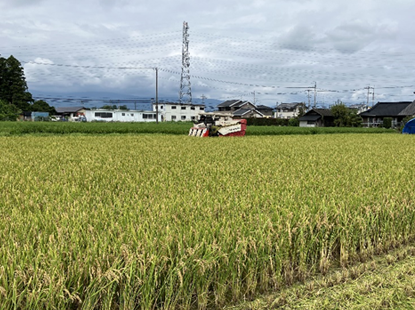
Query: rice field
171, 128
174, 222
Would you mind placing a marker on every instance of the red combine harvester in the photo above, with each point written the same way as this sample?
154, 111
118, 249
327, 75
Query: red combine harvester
218, 124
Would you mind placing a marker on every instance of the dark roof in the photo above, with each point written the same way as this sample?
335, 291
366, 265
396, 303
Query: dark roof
289, 106
228, 103
263, 107
309, 117
60, 110
242, 112
321, 112
386, 109
409, 110
233, 103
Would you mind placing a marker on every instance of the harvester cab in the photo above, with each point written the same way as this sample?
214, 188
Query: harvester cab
218, 124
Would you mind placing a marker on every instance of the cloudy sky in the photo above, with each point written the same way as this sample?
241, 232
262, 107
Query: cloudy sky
264, 50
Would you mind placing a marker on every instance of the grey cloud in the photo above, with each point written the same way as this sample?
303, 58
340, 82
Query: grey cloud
19, 3
355, 35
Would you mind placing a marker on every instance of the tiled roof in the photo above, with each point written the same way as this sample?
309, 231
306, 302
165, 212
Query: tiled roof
241, 112
233, 103
409, 110
385, 109
322, 112
289, 106
263, 107
228, 103
60, 110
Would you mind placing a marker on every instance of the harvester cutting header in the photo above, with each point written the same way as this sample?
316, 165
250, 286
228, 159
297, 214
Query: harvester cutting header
218, 124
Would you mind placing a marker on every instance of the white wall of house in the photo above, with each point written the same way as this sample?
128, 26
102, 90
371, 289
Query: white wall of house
120, 116
179, 111
282, 113
308, 124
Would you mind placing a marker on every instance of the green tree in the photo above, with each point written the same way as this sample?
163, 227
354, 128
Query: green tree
341, 114
109, 107
301, 110
345, 117
13, 87
8, 112
42, 106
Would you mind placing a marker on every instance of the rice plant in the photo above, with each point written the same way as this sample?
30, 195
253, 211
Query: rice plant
166, 222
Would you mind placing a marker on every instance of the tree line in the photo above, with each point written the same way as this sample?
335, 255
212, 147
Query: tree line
15, 97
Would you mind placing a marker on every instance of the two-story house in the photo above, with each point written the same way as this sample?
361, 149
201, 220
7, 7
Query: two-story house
289, 110
171, 111
240, 108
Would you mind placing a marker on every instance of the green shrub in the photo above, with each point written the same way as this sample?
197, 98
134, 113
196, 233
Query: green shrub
387, 122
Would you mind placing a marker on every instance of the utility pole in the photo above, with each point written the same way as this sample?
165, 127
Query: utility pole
308, 91
370, 93
308, 97
157, 94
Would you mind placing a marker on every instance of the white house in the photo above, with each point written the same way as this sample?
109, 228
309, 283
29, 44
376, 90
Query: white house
120, 116
289, 110
179, 111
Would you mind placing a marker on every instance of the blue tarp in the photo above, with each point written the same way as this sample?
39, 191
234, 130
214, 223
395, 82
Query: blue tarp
409, 127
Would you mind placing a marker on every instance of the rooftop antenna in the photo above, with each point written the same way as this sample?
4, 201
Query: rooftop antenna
185, 94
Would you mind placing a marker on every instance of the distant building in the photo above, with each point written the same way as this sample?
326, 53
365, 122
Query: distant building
265, 110
240, 109
395, 110
104, 115
289, 110
185, 112
70, 113
359, 108
317, 118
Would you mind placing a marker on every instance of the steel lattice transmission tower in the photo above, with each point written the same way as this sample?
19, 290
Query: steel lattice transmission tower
185, 94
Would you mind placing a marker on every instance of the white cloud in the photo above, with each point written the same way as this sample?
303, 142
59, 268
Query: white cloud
235, 46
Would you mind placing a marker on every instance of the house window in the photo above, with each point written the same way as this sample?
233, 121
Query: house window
149, 116
161, 107
173, 117
310, 122
173, 107
183, 108
183, 117
103, 114
193, 118
201, 108
192, 108
123, 114
132, 114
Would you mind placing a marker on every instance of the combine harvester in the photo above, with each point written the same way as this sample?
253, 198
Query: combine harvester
218, 124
